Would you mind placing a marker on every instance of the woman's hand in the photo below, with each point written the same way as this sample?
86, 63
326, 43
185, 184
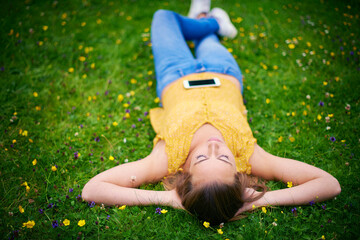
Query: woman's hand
248, 206
174, 199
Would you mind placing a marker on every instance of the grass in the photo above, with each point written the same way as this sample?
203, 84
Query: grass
297, 54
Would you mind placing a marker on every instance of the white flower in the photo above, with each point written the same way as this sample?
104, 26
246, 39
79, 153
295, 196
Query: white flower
328, 128
308, 97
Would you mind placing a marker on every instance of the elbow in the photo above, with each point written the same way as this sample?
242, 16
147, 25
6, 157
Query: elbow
86, 192
336, 187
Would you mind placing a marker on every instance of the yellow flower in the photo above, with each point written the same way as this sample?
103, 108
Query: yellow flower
275, 67
98, 21
35, 94
280, 139
267, 101
133, 81
92, 65
30, 140
64, 15
292, 139
322, 237
319, 117
127, 115
308, 44
122, 207
25, 133
81, 223
157, 100
305, 113
120, 97
206, 224
53, 168
114, 124
126, 105
150, 83
253, 206
83, 24
29, 224
276, 45
24, 184
37, 108
45, 28
325, 83
118, 41
291, 46
263, 209
71, 70
164, 211
220, 231
21, 209
66, 222
289, 184
14, 141
111, 158
82, 58
27, 189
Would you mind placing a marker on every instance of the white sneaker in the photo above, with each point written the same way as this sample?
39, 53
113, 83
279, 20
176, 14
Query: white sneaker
199, 6
226, 28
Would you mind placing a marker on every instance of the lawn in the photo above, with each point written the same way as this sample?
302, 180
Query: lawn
77, 84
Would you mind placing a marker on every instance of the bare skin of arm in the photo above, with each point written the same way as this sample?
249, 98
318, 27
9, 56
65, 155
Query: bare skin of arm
118, 185
309, 183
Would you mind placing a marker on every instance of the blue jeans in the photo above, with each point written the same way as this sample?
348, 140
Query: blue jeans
172, 56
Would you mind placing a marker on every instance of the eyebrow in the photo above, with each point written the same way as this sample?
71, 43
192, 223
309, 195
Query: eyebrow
216, 158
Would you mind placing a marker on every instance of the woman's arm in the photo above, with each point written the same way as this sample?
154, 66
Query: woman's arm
117, 186
309, 183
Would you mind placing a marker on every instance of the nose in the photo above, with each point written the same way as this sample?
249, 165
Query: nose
213, 148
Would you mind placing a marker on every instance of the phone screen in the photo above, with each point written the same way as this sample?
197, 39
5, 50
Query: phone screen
201, 82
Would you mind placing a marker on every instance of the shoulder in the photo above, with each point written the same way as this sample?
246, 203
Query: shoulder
158, 160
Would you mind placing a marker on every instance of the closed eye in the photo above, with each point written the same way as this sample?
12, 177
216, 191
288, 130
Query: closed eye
223, 158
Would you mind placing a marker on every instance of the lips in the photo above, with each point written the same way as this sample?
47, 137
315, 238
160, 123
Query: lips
214, 139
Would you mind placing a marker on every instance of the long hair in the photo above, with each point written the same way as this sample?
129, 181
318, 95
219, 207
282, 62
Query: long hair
214, 202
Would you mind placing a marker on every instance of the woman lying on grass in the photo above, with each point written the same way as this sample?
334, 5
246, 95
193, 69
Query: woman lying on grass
204, 150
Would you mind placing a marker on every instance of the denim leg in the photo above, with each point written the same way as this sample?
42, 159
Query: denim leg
216, 58
172, 56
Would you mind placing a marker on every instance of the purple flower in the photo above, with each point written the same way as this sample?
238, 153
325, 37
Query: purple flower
127, 110
321, 103
78, 197
106, 93
71, 189
51, 205
140, 119
2, 69
81, 126
76, 155
41, 211
333, 139
312, 202
91, 204
158, 210
97, 139
323, 206
133, 126
146, 113
108, 216
55, 224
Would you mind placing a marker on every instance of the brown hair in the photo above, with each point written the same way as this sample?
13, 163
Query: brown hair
214, 202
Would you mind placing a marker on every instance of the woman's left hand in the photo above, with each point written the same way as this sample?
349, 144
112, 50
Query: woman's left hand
174, 200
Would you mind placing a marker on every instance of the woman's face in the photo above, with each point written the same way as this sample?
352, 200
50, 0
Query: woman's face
212, 160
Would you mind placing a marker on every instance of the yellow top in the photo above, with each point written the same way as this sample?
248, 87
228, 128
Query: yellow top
186, 110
